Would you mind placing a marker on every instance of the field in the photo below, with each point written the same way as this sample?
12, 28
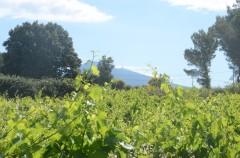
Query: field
142, 122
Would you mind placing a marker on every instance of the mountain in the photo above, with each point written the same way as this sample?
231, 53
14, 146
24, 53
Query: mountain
133, 78
129, 77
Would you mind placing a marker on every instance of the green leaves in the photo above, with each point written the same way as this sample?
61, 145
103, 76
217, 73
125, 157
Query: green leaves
95, 71
135, 123
21, 126
102, 122
40, 50
78, 82
190, 106
224, 121
96, 93
165, 88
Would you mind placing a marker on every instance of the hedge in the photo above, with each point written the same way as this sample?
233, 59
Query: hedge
14, 86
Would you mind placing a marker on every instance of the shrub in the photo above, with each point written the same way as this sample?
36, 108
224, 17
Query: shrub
19, 86
117, 84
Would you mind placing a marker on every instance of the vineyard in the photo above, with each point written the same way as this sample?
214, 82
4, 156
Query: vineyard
99, 122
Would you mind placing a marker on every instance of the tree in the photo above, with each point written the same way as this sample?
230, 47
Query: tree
157, 81
226, 29
201, 56
36, 50
118, 84
105, 66
1, 61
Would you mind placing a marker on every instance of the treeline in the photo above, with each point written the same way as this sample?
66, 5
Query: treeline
16, 86
223, 35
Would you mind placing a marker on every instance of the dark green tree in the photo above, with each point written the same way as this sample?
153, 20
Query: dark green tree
201, 56
226, 29
156, 81
118, 84
40, 50
105, 66
1, 61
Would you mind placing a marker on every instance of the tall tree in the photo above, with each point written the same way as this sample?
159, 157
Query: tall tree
37, 50
201, 56
105, 66
1, 61
226, 29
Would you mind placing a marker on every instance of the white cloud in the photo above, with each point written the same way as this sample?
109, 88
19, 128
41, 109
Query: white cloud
52, 10
212, 5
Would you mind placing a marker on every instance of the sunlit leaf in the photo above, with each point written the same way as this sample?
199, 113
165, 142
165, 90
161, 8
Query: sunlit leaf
21, 126
96, 93
95, 71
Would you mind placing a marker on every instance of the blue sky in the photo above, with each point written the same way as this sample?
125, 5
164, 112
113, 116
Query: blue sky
133, 32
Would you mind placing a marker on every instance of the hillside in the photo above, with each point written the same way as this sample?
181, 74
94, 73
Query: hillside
130, 77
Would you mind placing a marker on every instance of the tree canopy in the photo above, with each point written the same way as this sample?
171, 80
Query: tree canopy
1, 60
118, 84
201, 56
40, 50
227, 31
105, 66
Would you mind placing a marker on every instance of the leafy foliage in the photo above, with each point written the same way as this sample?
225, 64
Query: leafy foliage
22, 87
37, 50
158, 80
118, 84
100, 122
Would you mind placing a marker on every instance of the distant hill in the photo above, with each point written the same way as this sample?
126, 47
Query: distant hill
132, 78
129, 77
